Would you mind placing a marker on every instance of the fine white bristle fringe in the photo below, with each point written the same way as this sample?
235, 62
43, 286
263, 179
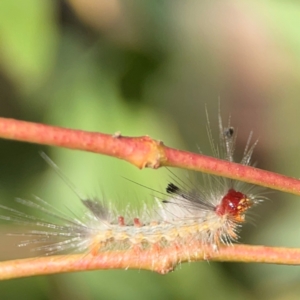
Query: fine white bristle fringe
211, 213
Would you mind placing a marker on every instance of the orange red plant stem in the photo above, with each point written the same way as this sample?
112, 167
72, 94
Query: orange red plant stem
141, 152
162, 262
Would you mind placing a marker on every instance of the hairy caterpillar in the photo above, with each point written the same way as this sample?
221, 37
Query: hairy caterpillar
210, 214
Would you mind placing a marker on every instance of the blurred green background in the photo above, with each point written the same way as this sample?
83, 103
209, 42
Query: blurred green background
149, 67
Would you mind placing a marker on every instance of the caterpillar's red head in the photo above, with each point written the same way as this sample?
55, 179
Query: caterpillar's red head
234, 204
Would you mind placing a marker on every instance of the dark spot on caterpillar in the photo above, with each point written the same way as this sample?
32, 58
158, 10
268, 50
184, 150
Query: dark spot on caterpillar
228, 132
172, 188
